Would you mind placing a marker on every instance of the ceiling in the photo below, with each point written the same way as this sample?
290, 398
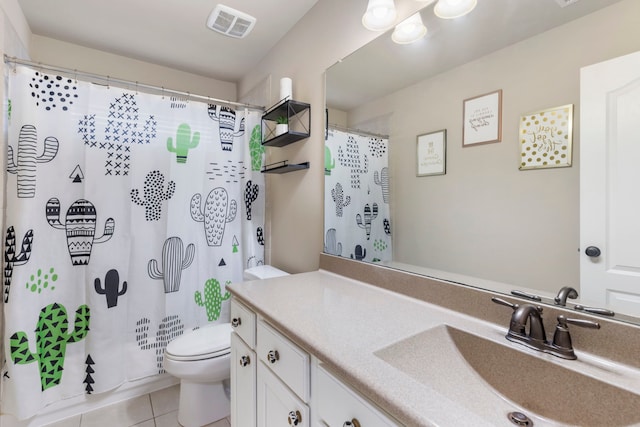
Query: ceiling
492, 25
171, 33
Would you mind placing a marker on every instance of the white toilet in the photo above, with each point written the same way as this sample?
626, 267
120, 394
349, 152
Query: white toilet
200, 358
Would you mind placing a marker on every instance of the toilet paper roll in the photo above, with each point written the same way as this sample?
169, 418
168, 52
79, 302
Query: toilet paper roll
286, 88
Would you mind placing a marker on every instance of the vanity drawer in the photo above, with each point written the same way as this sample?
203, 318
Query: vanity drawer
288, 361
243, 322
336, 403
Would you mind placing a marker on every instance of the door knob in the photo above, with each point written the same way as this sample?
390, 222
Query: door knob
592, 251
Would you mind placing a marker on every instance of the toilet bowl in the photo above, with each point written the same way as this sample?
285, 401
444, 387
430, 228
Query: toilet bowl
201, 359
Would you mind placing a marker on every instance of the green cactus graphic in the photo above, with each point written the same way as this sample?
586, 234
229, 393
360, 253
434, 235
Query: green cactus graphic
52, 336
24, 164
39, 281
329, 162
184, 142
212, 298
256, 148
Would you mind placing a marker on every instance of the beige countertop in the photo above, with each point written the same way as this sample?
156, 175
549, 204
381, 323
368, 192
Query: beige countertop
349, 325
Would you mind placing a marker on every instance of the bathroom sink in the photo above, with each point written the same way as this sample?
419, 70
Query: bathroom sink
491, 379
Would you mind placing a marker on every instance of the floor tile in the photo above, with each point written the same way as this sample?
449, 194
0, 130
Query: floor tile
165, 400
67, 422
148, 423
168, 420
222, 423
127, 413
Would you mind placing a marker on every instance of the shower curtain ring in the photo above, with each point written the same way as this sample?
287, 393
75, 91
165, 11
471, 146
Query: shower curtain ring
75, 76
136, 87
108, 82
162, 92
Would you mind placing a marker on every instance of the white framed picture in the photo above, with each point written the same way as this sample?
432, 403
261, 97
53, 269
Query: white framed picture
431, 153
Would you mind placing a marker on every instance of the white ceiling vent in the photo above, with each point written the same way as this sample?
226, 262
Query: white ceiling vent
565, 3
230, 22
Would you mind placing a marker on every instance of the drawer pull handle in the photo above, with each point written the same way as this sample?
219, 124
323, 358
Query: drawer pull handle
244, 361
273, 356
353, 423
295, 418
235, 322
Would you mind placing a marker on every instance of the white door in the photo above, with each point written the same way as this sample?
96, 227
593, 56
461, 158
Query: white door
610, 184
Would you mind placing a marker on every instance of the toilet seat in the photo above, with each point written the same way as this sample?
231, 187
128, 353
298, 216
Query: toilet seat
207, 342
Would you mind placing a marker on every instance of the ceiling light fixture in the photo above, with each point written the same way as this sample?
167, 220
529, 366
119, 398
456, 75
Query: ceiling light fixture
380, 15
449, 9
410, 30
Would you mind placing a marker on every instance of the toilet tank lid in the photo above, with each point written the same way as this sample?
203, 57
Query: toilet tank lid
263, 272
204, 340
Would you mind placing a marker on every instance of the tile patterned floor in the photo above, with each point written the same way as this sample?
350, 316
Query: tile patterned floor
158, 409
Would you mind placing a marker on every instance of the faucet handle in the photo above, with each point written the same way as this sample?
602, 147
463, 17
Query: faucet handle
505, 303
562, 321
511, 305
562, 344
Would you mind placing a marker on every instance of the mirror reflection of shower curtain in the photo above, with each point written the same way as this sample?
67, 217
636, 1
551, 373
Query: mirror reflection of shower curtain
356, 207
127, 214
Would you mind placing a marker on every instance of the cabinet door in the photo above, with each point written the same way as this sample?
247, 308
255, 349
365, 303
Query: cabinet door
243, 383
336, 404
277, 405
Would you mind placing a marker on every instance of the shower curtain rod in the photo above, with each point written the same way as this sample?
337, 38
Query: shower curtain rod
357, 131
127, 83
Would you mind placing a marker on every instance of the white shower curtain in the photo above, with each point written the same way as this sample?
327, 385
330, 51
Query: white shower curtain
357, 223
127, 214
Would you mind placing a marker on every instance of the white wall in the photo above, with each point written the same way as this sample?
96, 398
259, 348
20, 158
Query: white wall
330, 31
485, 218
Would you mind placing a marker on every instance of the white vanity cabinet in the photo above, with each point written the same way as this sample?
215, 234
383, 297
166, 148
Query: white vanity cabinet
336, 404
276, 383
243, 365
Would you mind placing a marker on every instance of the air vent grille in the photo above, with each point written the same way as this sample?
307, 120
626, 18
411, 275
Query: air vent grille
230, 22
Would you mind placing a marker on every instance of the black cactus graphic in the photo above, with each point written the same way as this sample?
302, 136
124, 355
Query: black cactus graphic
260, 236
387, 226
170, 328
331, 245
229, 129
359, 253
217, 211
88, 380
24, 163
13, 259
369, 214
111, 288
124, 127
80, 227
154, 195
52, 336
53, 91
250, 195
382, 180
174, 260
377, 147
350, 158
340, 199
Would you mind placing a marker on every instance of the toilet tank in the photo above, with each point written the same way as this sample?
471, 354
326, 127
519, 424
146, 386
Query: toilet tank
263, 272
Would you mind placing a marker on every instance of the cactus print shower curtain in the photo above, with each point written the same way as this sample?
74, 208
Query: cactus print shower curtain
127, 214
357, 224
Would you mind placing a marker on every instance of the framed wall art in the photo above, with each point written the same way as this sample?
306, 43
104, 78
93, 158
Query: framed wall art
431, 153
546, 138
482, 119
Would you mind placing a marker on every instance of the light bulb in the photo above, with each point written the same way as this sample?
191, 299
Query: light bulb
380, 15
450, 9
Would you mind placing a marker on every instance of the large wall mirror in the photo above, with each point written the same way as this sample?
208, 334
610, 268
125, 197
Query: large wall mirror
482, 221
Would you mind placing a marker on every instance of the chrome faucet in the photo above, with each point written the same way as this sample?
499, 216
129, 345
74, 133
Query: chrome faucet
536, 338
564, 293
